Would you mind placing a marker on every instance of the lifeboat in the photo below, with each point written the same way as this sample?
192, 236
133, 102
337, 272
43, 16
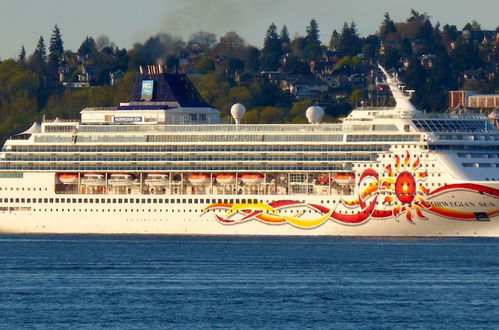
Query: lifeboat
199, 178
156, 179
96, 179
225, 178
68, 178
120, 178
322, 180
252, 178
344, 178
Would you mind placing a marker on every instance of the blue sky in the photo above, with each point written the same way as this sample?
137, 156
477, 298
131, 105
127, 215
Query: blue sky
126, 22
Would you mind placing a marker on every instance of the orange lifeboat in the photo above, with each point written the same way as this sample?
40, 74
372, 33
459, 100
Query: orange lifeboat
252, 178
199, 178
226, 178
68, 178
322, 180
344, 178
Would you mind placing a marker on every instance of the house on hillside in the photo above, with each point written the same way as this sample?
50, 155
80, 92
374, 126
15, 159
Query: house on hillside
307, 87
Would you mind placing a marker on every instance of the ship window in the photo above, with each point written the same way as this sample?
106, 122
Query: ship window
22, 200
114, 200
178, 201
108, 200
85, 200
51, 200
125, 200
172, 201
137, 200
45, 200
96, 201
190, 201
148, 201
120, 200
103, 200
184, 201
17, 200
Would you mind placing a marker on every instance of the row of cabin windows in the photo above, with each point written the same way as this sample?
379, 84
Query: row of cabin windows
126, 200
22, 189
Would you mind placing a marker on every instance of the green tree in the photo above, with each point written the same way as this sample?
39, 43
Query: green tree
272, 49
334, 42
56, 50
87, 47
21, 56
37, 61
387, 27
56, 44
204, 65
285, 41
313, 32
350, 43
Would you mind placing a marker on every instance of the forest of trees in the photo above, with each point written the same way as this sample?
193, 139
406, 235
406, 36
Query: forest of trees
430, 58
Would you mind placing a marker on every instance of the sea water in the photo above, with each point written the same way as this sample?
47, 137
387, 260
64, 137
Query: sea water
148, 282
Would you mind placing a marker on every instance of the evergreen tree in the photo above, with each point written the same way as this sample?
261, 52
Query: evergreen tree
272, 49
56, 44
37, 62
284, 35
350, 43
313, 32
21, 57
41, 49
56, 50
87, 47
334, 42
387, 27
285, 41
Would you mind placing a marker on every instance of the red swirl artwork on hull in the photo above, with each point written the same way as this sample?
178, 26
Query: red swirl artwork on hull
402, 192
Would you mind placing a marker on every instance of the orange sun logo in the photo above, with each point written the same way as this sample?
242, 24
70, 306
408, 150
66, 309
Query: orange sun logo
405, 182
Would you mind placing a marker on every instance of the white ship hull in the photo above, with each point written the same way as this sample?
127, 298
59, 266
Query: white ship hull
449, 213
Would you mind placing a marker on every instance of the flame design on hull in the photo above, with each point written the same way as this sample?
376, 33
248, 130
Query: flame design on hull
407, 196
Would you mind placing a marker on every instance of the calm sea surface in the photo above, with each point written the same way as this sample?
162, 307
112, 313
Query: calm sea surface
141, 282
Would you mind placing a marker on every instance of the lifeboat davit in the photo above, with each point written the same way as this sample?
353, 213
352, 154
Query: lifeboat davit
199, 178
344, 178
252, 178
322, 180
226, 178
68, 178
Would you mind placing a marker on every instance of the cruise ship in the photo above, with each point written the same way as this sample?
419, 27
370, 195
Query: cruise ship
165, 163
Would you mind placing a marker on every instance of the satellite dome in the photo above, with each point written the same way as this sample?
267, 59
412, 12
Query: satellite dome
237, 111
314, 114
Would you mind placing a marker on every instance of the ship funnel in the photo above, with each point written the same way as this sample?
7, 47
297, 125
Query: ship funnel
314, 114
237, 111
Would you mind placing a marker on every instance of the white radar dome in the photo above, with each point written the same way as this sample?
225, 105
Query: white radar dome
314, 114
237, 111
